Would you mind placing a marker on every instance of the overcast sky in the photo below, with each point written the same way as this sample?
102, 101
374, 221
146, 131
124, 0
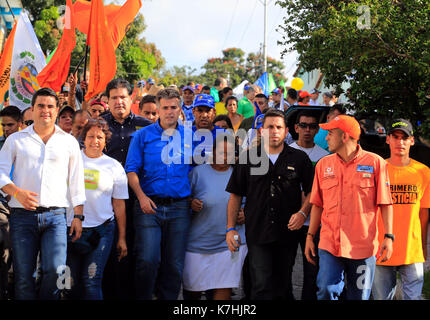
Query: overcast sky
188, 32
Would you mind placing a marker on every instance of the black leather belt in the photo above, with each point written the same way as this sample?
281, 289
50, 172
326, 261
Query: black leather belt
45, 209
159, 201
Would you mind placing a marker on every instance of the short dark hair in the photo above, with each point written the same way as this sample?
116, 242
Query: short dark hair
224, 117
292, 93
100, 123
262, 95
117, 84
206, 88
226, 90
339, 107
223, 92
103, 94
45, 92
307, 113
230, 98
146, 99
271, 113
167, 93
12, 112
218, 81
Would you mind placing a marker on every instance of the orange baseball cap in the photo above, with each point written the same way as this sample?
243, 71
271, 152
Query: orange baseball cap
345, 123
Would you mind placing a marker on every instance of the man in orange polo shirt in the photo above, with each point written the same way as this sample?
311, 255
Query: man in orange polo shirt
410, 190
349, 187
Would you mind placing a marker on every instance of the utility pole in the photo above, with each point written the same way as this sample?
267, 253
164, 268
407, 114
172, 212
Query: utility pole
265, 37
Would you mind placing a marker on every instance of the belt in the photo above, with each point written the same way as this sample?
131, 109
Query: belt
46, 209
159, 201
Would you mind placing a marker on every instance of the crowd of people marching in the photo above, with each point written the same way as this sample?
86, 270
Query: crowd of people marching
146, 192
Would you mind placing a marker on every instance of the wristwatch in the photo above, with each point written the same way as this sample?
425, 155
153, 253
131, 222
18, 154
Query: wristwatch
79, 216
390, 236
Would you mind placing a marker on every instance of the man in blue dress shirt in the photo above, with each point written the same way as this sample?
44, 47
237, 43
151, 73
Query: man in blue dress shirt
157, 168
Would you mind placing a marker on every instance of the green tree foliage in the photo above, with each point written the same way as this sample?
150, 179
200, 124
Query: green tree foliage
381, 47
137, 59
235, 66
178, 76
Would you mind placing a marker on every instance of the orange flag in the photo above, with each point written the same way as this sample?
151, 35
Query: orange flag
123, 18
118, 17
56, 71
5, 63
102, 51
82, 10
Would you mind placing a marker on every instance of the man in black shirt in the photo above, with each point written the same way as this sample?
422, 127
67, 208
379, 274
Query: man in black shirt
273, 209
122, 122
118, 276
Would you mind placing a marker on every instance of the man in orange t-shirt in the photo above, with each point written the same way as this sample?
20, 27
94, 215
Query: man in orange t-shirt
349, 187
410, 190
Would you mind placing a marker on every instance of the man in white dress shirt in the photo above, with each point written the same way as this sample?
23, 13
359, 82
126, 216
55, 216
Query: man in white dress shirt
47, 165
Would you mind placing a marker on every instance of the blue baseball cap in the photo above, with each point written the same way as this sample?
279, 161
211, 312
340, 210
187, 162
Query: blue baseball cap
276, 90
188, 88
204, 100
151, 81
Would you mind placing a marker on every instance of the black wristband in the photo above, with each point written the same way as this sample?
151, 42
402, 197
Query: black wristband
79, 216
389, 236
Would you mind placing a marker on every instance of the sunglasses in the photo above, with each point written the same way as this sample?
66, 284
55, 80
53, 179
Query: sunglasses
147, 113
308, 125
28, 122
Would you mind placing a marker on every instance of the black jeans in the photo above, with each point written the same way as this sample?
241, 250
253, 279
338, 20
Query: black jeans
310, 271
271, 266
118, 276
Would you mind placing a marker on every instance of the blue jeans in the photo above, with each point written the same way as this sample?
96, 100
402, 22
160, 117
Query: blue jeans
161, 240
31, 232
87, 270
412, 276
333, 271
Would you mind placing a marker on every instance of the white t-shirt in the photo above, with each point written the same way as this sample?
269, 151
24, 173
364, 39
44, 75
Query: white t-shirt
315, 153
273, 157
105, 179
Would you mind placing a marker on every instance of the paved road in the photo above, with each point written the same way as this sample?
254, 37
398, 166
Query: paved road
298, 275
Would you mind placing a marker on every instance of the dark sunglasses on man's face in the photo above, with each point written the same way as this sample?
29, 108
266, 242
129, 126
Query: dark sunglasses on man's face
312, 126
28, 122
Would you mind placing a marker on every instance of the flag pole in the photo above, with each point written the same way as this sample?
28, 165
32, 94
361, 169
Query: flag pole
85, 66
10, 9
78, 65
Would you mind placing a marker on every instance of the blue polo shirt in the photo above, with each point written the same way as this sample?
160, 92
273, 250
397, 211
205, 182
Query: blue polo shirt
118, 145
162, 162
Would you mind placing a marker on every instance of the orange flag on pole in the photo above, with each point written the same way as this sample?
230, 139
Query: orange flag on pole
82, 10
56, 71
118, 17
102, 51
5, 63
123, 18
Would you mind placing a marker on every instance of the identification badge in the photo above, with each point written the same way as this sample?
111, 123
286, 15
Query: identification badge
368, 169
